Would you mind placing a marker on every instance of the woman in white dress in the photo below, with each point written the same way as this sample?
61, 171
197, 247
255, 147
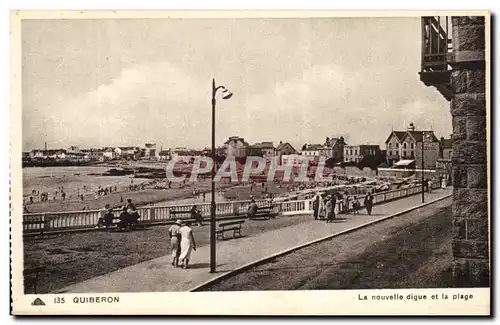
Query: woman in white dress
322, 207
187, 244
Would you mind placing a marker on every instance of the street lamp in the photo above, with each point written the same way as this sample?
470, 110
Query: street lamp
226, 94
424, 136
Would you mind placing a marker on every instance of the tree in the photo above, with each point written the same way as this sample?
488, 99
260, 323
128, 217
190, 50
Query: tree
304, 147
327, 140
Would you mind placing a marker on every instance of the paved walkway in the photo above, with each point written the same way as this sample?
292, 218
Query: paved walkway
158, 275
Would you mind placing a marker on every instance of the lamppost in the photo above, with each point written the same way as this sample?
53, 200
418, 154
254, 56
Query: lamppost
422, 168
424, 136
226, 94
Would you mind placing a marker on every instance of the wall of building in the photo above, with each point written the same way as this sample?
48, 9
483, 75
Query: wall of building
470, 193
406, 148
431, 155
392, 148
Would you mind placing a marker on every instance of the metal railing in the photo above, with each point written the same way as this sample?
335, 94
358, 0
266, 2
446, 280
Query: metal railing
78, 220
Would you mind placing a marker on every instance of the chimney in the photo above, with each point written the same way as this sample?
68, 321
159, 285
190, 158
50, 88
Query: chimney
45, 145
411, 127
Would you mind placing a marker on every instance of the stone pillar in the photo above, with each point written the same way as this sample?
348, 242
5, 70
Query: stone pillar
471, 237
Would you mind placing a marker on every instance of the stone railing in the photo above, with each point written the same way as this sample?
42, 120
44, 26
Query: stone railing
77, 220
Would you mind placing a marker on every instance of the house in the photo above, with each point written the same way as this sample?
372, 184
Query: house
108, 153
412, 144
314, 150
54, 153
392, 146
292, 160
150, 150
284, 148
37, 153
335, 148
164, 155
356, 153
236, 147
73, 149
128, 152
267, 149
182, 153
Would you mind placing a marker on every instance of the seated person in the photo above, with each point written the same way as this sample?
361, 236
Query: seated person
252, 209
124, 218
108, 216
196, 215
132, 211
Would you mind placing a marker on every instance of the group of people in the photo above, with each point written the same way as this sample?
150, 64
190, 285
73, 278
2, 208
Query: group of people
182, 243
128, 218
324, 205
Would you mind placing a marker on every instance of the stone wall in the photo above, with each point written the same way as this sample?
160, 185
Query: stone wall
471, 238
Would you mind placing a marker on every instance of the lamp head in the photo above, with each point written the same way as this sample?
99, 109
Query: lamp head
226, 94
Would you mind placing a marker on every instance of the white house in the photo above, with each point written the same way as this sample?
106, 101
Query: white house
236, 147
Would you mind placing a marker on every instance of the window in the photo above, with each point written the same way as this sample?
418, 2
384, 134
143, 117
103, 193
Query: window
390, 145
412, 145
412, 154
404, 153
404, 145
350, 152
397, 145
390, 153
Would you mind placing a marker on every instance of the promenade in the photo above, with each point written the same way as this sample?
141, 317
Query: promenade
158, 275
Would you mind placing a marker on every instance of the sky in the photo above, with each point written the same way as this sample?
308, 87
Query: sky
117, 82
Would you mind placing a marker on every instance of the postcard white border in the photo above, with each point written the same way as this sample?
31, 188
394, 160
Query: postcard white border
326, 302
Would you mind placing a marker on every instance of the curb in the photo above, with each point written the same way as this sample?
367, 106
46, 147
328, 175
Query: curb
290, 250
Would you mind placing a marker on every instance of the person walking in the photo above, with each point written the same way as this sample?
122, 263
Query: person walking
331, 209
322, 207
175, 239
187, 244
443, 183
369, 203
316, 206
429, 186
346, 203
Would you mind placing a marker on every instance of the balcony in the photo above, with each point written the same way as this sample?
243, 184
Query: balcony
436, 50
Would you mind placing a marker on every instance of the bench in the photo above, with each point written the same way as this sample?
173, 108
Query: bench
264, 212
188, 214
234, 226
41, 222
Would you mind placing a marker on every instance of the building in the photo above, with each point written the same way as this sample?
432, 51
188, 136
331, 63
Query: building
392, 147
356, 153
164, 155
48, 153
314, 150
108, 153
129, 153
404, 145
446, 148
456, 68
236, 147
291, 160
182, 153
150, 150
334, 148
411, 148
73, 149
266, 149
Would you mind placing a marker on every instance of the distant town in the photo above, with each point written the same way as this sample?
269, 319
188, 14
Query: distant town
403, 150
